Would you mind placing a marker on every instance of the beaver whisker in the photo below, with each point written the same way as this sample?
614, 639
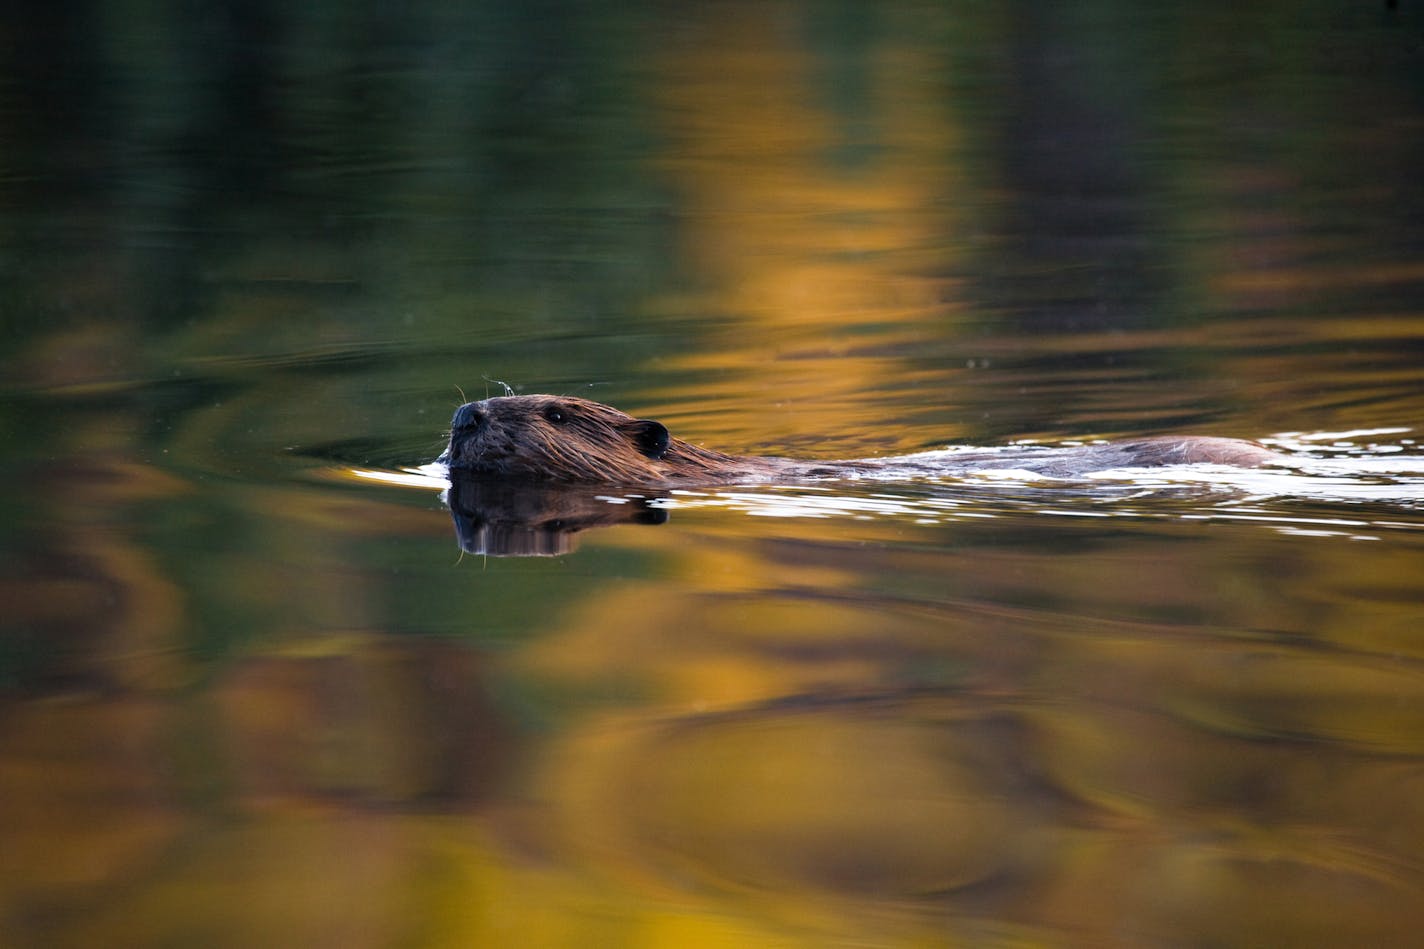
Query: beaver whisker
508, 390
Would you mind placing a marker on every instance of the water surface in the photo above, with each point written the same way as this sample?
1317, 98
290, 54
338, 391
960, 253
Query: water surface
252, 692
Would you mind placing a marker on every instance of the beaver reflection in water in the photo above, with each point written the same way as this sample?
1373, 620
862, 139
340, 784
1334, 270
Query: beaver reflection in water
546, 438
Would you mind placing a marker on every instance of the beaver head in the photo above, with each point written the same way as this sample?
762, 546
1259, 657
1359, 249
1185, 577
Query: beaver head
562, 438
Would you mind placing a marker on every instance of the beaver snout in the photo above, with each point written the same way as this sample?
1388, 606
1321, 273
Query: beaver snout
468, 418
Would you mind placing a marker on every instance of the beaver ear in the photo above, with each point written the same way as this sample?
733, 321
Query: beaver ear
651, 437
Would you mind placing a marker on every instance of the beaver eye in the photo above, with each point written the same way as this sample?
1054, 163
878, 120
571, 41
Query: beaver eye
554, 414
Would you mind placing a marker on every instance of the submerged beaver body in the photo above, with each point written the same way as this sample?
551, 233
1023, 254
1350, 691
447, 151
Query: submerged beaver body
545, 438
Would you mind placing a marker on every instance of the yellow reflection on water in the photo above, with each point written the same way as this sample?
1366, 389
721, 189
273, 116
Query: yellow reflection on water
816, 262
426, 476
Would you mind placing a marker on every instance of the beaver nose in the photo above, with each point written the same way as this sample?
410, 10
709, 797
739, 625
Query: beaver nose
468, 417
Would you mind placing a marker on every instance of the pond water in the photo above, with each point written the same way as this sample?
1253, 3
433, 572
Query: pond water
253, 691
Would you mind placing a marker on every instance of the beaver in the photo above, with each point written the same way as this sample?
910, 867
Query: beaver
563, 439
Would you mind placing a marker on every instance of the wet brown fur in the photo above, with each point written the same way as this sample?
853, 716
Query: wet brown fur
545, 438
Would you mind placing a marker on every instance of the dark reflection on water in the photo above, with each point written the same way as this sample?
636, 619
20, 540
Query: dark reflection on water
252, 256
538, 521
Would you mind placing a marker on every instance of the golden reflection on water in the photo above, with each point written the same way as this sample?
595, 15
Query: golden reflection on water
816, 266
749, 730
824, 756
